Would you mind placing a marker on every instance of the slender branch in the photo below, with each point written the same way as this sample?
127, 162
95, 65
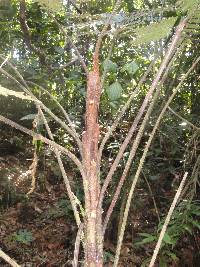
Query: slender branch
33, 169
129, 161
141, 111
66, 65
25, 88
45, 140
77, 245
167, 220
75, 6
100, 37
27, 37
61, 108
71, 195
183, 119
71, 43
4, 61
153, 198
12, 262
142, 160
126, 106
136, 144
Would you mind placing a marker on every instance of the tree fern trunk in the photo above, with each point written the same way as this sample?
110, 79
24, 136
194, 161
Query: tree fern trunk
93, 224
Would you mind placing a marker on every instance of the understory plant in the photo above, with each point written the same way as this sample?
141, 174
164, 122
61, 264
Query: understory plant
91, 219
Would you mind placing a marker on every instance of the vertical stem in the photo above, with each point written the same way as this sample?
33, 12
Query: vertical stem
167, 220
93, 231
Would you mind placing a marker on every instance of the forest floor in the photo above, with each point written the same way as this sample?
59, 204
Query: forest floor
39, 230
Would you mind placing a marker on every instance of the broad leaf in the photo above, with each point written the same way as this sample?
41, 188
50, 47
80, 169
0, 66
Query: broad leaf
114, 91
109, 66
131, 67
167, 239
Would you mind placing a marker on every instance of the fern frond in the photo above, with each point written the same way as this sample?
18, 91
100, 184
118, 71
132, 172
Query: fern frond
187, 5
145, 16
154, 31
192, 30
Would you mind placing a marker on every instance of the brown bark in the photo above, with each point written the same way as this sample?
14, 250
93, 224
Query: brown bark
93, 225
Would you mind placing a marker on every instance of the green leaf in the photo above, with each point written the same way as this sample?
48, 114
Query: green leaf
154, 31
23, 236
145, 241
59, 49
145, 234
131, 67
187, 228
146, 262
187, 5
196, 224
113, 105
114, 91
168, 240
109, 66
148, 239
162, 262
172, 255
196, 212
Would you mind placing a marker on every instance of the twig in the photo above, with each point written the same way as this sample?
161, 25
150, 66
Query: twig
100, 37
25, 88
75, 6
143, 107
153, 198
126, 106
45, 140
12, 262
183, 119
77, 245
71, 195
135, 145
71, 43
61, 108
4, 61
27, 37
142, 160
33, 169
167, 220
66, 65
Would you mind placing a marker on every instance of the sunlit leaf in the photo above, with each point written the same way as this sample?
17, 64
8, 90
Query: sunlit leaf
167, 239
